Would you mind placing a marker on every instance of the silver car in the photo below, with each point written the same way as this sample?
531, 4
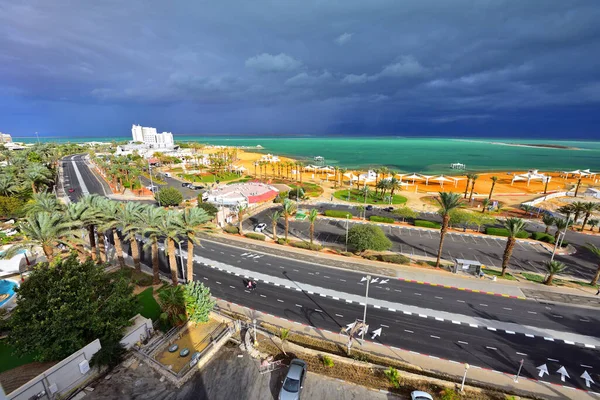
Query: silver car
294, 380
418, 395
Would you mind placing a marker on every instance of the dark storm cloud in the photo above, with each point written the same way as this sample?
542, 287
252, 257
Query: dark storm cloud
306, 66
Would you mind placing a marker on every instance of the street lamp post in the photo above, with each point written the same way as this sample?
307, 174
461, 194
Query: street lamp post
347, 219
365, 312
462, 385
151, 183
519, 371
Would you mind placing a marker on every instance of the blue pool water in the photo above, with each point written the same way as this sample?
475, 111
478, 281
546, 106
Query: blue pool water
7, 286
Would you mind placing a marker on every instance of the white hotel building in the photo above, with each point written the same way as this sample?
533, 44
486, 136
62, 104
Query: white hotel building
151, 138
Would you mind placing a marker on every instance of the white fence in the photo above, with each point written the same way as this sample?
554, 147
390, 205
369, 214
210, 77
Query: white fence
544, 198
61, 378
138, 332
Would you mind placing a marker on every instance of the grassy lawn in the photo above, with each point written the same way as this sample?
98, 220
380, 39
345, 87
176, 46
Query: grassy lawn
10, 361
149, 306
493, 272
357, 197
310, 189
210, 178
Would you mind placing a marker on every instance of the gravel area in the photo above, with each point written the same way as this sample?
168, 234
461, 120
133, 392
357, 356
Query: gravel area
227, 376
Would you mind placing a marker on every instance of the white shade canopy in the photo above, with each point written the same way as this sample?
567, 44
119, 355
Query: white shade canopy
442, 178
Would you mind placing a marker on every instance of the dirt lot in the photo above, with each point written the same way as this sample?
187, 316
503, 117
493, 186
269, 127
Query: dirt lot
225, 377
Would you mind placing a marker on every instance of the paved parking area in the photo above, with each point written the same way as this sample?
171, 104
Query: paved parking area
411, 241
227, 376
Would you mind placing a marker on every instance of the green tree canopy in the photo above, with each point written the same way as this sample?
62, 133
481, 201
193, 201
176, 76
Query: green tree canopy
169, 196
11, 207
406, 212
368, 237
198, 302
65, 307
209, 208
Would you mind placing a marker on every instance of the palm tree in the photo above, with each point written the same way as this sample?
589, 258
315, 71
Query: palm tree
37, 175
469, 176
283, 335
485, 204
42, 202
97, 206
588, 209
90, 218
45, 230
548, 220
274, 218
361, 210
559, 224
152, 217
112, 218
8, 185
514, 227
596, 252
473, 179
191, 220
132, 223
578, 208
241, 210
312, 218
172, 305
289, 208
74, 213
593, 223
171, 229
494, 180
395, 184
448, 202
577, 187
553, 267
567, 210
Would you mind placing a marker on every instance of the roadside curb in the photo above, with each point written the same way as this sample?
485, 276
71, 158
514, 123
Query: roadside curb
463, 289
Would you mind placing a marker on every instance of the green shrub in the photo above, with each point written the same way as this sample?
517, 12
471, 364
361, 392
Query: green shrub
395, 258
368, 237
169, 196
347, 253
543, 237
504, 232
393, 376
255, 236
427, 224
11, 207
327, 361
306, 245
449, 394
282, 241
337, 213
210, 209
377, 218
564, 243
232, 229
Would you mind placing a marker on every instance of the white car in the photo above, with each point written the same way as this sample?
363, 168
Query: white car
418, 395
152, 188
260, 227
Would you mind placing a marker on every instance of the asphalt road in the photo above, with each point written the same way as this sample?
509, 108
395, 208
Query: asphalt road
527, 256
92, 184
174, 183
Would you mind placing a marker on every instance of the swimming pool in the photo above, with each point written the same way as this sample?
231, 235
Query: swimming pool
6, 288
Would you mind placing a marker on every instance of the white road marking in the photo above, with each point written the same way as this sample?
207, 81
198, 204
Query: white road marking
247, 291
406, 330
385, 326
460, 301
483, 305
295, 270
281, 301
435, 337
339, 315
553, 359
299, 305
205, 278
343, 280
231, 286
317, 310
438, 297
521, 354
417, 294
507, 308
548, 339
262, 295
269, 264
510, 332
586, 366
491, 348
461, 342
531, 312
218, 283
489, 328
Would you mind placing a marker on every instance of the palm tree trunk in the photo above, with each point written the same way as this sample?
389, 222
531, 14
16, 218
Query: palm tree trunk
101, 246
549, 280
547, 229
172, 261
240, 223
472, 190
312, 232
118, 248
510, 244
442, 235
467, 188
48, 252
190, 261
92, 238
585, 220
135, 254
33, 187
275, 231
156, 279
491, 190
596, 277
286, 227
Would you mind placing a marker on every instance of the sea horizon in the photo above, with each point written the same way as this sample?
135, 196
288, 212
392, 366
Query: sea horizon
402, 152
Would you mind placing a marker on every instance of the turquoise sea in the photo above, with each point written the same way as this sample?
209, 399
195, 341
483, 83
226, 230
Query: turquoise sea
410, 154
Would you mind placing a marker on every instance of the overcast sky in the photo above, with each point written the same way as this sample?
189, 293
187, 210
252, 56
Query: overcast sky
369, 67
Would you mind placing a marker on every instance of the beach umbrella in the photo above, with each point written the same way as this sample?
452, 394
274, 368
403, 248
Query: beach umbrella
456, 180
441, 179
427, 177
413, 177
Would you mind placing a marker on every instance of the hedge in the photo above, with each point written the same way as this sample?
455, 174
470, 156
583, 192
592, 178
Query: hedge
256, 236
427, 224
543, 237
337, 213
282, 241
504, 232
377, 218
391, 258
232, 229
306, 245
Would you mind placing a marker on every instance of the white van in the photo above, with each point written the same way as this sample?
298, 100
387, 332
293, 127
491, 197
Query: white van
168, 174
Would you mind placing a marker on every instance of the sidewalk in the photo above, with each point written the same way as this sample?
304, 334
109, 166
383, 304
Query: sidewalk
432, 364
515, 289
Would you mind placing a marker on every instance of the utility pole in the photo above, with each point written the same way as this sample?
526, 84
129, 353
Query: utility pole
462, 385
347, 219
365, 312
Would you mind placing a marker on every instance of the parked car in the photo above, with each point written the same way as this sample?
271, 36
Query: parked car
186, 184
388, 209
71, 190
418, 395
260, 227
369, 207
294, 380
152, 188
197, 187
167, 175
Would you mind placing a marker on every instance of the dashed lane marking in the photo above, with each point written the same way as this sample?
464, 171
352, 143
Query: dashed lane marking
553, 359
299, 305
262, 295
483, 305
433, 336
521, 354
231, 286
507, 308
406, 330
438, 297
461, 342
281, 301
339, 315
218, 283
491, 348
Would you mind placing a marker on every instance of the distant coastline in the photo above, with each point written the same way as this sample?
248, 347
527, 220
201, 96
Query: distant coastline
534, 145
